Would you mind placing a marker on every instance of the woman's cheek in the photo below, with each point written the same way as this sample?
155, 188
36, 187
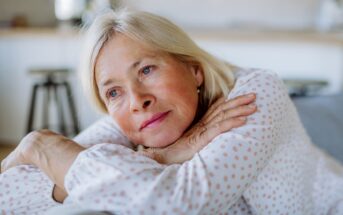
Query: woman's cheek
122, 121
115, 105
122, 116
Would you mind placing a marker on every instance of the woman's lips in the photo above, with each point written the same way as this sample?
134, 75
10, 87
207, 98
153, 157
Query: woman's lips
155, 119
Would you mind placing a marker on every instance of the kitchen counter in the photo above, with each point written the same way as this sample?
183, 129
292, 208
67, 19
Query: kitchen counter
264, 36
28, 32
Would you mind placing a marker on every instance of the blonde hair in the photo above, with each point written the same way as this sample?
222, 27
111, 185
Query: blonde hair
160, 34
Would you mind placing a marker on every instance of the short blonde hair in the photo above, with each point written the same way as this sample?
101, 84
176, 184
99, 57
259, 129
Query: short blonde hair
160, 34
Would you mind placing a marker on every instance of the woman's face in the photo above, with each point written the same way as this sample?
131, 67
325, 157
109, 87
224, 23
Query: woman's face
152, 96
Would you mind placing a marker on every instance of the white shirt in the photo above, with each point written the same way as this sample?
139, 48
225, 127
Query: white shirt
268, 166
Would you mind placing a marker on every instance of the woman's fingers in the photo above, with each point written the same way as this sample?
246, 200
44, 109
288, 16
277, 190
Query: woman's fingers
221, 106
224, 116
222, 126
215, 105
244, 110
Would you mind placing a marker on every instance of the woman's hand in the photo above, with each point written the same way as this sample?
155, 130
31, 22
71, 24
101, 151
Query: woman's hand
21, 155
221, 117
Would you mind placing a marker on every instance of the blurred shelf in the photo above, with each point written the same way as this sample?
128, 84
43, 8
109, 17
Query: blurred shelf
25, 32
220, 35
268, 36
305, 87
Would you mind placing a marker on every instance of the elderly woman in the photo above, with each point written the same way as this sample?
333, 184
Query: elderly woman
211, 138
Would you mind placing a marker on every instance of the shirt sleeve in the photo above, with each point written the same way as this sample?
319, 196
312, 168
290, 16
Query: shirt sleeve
116, 179
104, 130
26, 189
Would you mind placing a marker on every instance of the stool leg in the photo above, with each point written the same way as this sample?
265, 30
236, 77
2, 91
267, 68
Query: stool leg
72, 108
46, 103
32, 108
60, 111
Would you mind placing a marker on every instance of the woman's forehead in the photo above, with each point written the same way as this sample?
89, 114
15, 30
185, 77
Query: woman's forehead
123, 41
122, 49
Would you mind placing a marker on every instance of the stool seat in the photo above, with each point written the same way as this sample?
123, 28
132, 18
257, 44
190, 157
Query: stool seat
49, 71
57, 92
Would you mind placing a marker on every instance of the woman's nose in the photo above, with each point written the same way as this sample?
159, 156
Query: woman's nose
141, 101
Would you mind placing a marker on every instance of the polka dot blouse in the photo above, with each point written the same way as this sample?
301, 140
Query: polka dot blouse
268, 166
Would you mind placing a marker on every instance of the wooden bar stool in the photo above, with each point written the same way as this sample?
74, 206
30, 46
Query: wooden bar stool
57, 92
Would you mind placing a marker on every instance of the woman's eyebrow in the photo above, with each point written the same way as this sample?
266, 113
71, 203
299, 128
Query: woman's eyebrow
141, 59
135, 64
111, 81
107, 82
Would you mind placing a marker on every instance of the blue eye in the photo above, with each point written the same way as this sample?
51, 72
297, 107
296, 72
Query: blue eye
146, 70
112, 93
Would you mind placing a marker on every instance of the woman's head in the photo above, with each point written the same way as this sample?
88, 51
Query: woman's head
146, 73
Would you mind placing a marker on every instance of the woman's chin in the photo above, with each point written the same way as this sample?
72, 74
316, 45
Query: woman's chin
160, 141
158, 144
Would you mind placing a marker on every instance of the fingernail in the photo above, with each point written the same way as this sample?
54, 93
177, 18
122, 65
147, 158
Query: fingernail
242, 118
252, 106
220, 99
250, 95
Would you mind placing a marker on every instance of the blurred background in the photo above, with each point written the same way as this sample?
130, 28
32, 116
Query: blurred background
40, 43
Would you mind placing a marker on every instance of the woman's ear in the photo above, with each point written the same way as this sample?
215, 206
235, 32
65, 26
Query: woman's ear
198, 74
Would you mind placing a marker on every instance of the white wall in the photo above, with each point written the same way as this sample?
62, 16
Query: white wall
289, 14
291, 60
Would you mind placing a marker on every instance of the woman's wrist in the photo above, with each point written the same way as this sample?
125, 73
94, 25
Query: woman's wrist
56, 158
52, 153
27, 150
